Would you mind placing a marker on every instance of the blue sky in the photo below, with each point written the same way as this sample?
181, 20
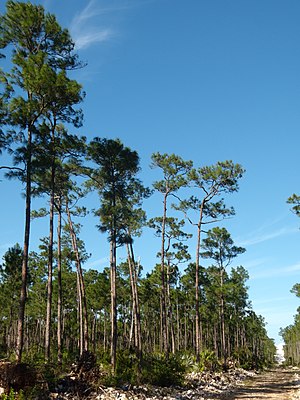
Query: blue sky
210, 81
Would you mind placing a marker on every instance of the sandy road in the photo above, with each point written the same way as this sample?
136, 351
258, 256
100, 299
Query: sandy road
275, 384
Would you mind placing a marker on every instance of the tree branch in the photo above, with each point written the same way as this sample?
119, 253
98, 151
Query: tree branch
12, 168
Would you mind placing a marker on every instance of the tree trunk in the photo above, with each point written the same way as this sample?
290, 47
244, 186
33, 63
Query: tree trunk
222, 312
131, 330
23, 294
80, 316
82, 296
104, 331
50, 268
59, 288
164, 327
113, 311
170, 325
185, 328
197, 302
178, 325
135, 301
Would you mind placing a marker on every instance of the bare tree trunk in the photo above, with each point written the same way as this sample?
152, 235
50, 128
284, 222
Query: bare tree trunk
50, 268
80, 316
59, 288
131, 330
135, 301
161, 341
113, 312
197, 302
104, 331
23, 294
94, 332
222, 312
216, 340
164, 324
178, 325
185, 328
170, 324
82, 296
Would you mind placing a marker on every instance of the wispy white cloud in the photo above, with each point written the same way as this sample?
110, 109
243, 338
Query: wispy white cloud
293, 268
87, 29
87, 39
259, 237
276, 272
88, 12
100, 7
97, 263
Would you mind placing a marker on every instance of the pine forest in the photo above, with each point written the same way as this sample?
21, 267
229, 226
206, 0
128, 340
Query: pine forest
142, 322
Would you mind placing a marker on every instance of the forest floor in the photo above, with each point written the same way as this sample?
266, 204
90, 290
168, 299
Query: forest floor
274, 384
236, 384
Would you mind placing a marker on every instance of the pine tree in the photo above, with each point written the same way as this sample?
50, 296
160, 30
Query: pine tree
211, 182
113, 178
39, 48
219, 246
174, 170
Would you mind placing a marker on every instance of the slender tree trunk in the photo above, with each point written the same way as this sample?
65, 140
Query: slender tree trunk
197, 302
216, 340
113, 312
59, 288
8, 336
222, 312
164, 326
185, 328
80, 316
50, 269
170, 325
23, 294
138, 328
131, 330
104, 331
26, 342
94, 333
161, 341
178, 325
82, 294
135, 301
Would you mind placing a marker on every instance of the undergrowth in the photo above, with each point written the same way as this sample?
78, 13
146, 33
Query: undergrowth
155, 369
13, 395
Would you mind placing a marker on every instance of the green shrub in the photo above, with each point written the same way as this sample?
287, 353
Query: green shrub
208, 361
245, 358
189, 362
127, 369
155, 369
160, 370
13, 395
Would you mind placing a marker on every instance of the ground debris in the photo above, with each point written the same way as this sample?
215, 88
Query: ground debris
84, 363
198, 385
16, 376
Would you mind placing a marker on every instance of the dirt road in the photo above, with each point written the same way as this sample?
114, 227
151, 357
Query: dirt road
276, 384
